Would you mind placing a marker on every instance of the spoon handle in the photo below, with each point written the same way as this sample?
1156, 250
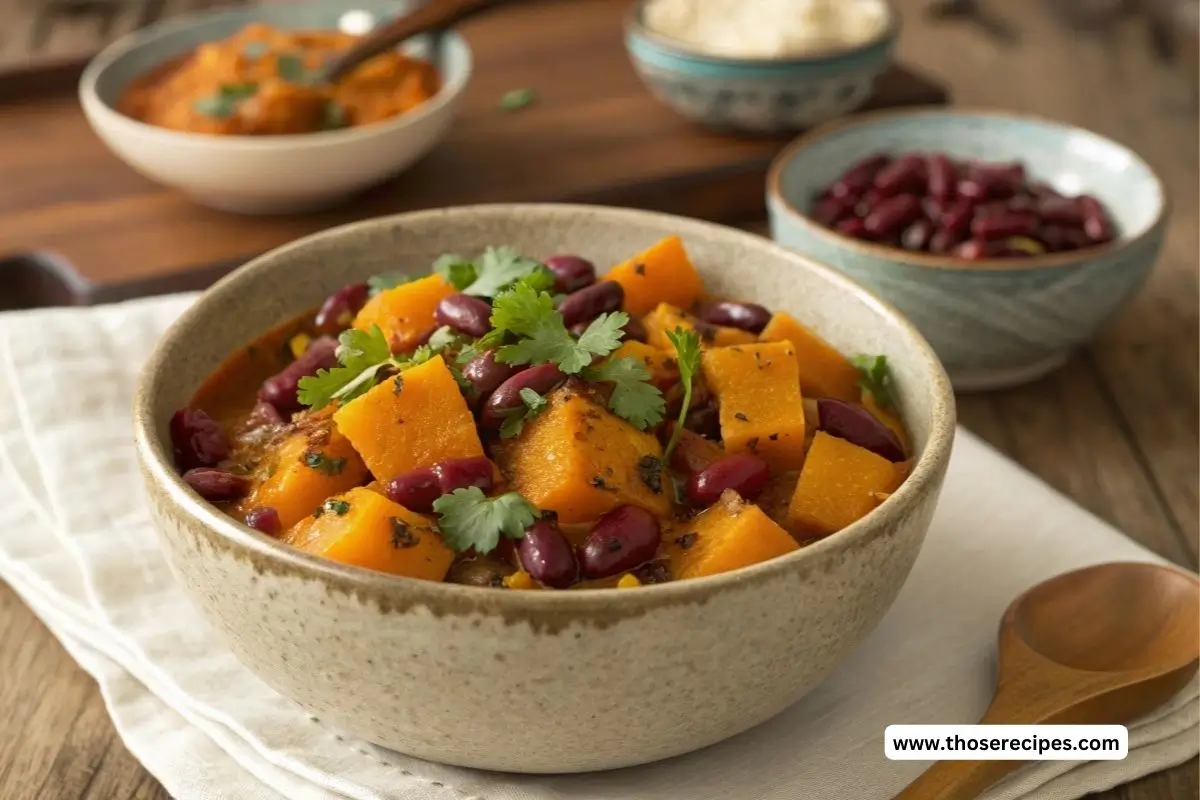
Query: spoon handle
957, 780
434, 15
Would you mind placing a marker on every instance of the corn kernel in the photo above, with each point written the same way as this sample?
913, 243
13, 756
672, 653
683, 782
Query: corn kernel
299, 343
628, 581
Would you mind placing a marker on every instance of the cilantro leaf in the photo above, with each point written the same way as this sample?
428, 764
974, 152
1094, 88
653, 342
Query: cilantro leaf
362, 357
529, 314
387, 280
687, 354
876, 378
455, 270
500, 267
634, 398
446, 338
470, 519
223, 104
532, 404
291, 68
517, 99
333, 116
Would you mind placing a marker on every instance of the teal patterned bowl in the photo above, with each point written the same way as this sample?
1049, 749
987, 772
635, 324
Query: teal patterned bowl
998, 322
768, 95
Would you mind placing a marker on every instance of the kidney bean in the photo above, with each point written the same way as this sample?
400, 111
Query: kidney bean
746, 474
635, 330
197, 439
892, 215
485, 373
1076, 239
1060, 211
732, 314
956, 217
705, 421
465, 314
905, 174
829, 210
972, 189
461, 473
541, 379
1053, 236
943, 241
917, 235
1008, 223
547, 555
263, 414
590, 302
571, 273
621, 540
856, 179
264, 518
972, 250
852, 227
1000, 180
1043, 190
482, 571
216, 485
866, 204
942, 177
414, 490
280, 390
338, 310
1022, 203
932, 208
1095, 221
858, 426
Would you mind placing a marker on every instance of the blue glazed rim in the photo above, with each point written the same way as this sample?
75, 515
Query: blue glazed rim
900, 257
451, 88
665, 52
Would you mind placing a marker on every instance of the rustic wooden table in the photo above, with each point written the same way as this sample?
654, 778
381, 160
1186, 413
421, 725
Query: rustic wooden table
1116, 429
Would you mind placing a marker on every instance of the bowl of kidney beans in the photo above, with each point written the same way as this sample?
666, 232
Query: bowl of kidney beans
962, 208
1008, 241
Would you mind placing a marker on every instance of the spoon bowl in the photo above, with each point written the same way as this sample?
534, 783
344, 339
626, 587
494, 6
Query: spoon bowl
1102, 645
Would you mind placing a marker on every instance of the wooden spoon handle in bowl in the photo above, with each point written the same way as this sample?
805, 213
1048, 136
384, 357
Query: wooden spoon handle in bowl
432, 16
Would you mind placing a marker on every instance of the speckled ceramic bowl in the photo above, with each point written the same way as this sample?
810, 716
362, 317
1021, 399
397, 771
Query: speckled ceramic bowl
768, 95
997, 322
268, 174
539, 681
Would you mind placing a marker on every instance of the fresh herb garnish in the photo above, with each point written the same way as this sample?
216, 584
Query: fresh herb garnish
470, 519
457, 271
291, 68
364, 359
517, 99
529, 316
633, 398
223, 104
876, 378
336, 506
387, 280
446, 338
687, 354
499, 268
333, 116
323, 464
532, 404
255, 50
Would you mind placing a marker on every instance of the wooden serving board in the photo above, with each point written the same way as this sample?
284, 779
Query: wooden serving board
594, 135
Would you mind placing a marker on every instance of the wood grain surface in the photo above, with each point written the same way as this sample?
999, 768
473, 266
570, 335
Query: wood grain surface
1116, 429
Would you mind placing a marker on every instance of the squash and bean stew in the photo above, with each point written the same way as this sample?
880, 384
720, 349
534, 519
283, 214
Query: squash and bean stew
511, 423
261, 81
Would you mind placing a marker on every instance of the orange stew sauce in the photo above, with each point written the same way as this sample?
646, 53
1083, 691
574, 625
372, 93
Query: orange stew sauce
258, 82
422, 455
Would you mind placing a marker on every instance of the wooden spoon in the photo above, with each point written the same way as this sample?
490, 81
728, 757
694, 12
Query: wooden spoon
1099, 646
432, 16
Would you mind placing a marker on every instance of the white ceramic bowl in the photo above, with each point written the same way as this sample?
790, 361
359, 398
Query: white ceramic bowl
265, 174
539, 681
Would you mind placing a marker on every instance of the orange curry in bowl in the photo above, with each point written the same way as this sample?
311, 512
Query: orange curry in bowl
512, 423
260, 82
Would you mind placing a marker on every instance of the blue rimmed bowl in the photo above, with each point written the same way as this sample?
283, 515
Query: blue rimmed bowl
769, 95
996, 322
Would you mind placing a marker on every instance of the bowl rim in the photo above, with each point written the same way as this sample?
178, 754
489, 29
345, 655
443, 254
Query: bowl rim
895, 255
604, 604
634, 25
448, 93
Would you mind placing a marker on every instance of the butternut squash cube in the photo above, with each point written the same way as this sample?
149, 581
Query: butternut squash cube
663, 368
758, 392
414, 420
365, 529
824, 372
840, 483
729, 535
310, 465
580, 461
405, 313
662, 273
667, 317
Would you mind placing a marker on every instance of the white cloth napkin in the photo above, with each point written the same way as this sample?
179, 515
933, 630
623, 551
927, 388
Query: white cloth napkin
79, 547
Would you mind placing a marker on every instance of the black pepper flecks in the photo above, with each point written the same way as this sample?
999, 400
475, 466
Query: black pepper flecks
752, 444
774, 437
650, 471
398, 384
640, 269
741, 416
687, 540
402, 535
